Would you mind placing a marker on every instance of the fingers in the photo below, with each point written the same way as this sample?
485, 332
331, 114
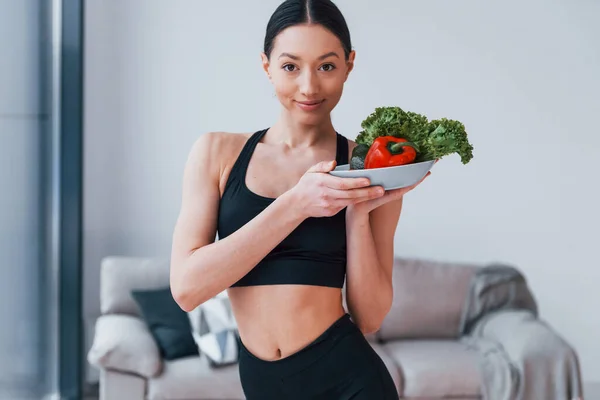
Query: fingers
336, 182
370, 192
341, 203
343, 198
323, 166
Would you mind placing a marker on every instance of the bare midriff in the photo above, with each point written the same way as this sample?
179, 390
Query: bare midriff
276, 321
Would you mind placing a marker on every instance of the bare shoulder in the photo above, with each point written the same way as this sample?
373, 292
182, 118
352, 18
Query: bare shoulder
231, 144
216, 152
196, 225
220, 145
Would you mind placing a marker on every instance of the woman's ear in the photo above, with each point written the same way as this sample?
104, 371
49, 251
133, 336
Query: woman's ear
350, 63
266, 64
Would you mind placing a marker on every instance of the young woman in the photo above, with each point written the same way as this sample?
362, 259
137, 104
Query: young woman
290, 234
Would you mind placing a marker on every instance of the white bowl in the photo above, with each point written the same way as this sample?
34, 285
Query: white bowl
389, 177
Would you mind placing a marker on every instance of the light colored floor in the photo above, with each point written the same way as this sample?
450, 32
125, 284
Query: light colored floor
22, 393
591, 391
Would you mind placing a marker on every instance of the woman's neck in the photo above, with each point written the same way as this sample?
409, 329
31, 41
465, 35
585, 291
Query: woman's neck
295, 134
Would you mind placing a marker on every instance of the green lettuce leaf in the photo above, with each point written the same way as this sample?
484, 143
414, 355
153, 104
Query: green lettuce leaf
433, 139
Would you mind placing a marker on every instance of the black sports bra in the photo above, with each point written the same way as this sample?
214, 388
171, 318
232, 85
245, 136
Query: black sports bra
313, 254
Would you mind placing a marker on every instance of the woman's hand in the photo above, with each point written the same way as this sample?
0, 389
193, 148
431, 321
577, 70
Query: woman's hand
319, 194
365, 207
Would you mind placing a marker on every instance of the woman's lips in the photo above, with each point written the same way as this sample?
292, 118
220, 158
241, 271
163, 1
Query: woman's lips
309, 105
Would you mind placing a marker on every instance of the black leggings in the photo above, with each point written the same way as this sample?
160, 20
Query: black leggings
339, 365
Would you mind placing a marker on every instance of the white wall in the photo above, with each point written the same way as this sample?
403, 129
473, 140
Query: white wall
22, 120
522, 76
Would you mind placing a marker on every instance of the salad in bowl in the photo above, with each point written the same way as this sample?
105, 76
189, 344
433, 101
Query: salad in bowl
397, 148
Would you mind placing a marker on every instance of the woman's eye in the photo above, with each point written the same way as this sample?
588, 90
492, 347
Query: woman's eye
289, 67
328, 67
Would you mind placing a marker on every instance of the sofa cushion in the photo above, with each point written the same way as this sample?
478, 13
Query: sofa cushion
390, 364
436, 368
119, 276
118, 385
167, 322
123, 343
428, 300
193, 378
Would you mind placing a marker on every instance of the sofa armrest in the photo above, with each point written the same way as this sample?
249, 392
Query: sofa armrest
124, 343
548, 366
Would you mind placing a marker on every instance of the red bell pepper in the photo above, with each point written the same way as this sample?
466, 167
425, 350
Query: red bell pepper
389, 151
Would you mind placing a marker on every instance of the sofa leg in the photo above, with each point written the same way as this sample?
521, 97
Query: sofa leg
116, 385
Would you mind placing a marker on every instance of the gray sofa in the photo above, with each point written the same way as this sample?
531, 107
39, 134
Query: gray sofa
454, 331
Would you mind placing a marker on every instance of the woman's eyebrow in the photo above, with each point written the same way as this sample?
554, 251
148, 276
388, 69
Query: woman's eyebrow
324, 56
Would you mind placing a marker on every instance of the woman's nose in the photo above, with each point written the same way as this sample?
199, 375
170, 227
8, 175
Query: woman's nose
309, 84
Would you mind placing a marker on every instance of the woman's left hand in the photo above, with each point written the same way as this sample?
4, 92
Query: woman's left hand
365, 207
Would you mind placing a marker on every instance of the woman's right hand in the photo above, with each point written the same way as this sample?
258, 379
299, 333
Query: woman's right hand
320, 194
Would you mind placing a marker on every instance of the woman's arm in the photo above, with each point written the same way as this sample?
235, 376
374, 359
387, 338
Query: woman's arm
200, 267
370, 230
370, 242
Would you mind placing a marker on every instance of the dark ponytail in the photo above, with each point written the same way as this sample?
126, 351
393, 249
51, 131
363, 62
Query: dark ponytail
318, 12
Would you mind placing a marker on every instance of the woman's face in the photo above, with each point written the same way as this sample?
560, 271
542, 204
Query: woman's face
308, 70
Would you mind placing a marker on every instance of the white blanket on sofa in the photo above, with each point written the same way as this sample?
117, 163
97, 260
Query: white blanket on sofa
521, 357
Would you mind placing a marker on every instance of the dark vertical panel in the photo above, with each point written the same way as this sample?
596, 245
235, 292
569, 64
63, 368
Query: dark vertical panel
45, 302
70, 200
